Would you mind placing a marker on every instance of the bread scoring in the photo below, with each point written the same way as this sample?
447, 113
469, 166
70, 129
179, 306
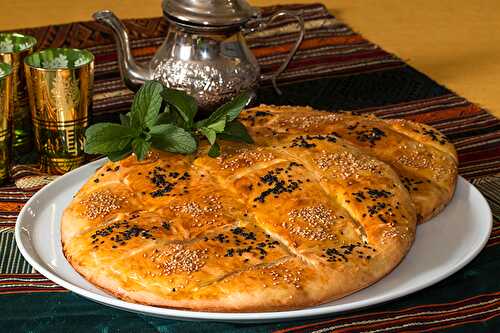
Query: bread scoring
307, 214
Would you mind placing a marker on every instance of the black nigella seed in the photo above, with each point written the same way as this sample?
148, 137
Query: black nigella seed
229, 253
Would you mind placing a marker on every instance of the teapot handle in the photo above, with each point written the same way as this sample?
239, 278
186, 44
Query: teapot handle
292, 52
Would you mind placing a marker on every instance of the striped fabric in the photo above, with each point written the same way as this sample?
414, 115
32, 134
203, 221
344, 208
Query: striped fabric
415, 319
335, 69
11, 261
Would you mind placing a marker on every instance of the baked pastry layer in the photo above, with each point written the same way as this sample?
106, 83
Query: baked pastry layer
304, 216
424, 159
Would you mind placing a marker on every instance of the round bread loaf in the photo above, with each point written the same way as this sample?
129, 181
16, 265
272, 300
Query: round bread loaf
304, 216
424, 159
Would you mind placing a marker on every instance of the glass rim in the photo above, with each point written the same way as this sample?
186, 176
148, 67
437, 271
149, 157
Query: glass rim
32, 41
5, 70
58, 49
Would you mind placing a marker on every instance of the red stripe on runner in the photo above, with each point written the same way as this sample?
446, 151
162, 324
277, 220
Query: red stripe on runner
447, 114
25, 291
479, 156
408, 310
433, 329
308, 44
337, 60
395, 323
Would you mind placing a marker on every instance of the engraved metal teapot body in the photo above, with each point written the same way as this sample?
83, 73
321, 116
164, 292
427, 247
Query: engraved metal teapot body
204, 52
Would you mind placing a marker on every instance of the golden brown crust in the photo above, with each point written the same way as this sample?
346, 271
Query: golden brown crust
292, 221
424, 159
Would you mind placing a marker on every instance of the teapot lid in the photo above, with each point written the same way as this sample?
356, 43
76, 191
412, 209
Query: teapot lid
209, 13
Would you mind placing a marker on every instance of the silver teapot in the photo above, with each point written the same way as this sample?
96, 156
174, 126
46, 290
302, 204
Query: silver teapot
204, 52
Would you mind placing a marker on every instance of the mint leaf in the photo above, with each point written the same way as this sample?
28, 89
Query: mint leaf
104, 138
146, 105
231, 109
161, 129
214, 150
201, 123
165, 117
218, 126
140, 148
183, 103
173, 139
125, 120
209, 133
170, 116
121, 154
236, 131
145, 135
235, 106
171, 130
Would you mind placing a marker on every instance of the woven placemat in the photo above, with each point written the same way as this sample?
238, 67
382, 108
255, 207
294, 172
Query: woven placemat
335, 69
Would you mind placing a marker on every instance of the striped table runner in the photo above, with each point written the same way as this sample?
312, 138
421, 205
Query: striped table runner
335, 69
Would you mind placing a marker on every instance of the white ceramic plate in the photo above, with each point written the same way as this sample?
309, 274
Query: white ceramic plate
443, 246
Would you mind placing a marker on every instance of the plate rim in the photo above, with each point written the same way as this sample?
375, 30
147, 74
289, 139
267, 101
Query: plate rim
310, 312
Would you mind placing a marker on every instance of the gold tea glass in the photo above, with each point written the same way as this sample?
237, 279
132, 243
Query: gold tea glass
60, 93
14, 48
5, 120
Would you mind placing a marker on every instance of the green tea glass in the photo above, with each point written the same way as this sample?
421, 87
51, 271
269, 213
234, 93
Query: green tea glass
60, 94
5, 120
14, 48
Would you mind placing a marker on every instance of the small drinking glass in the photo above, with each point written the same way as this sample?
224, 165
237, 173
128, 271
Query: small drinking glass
60, 94
14, 48
5, 120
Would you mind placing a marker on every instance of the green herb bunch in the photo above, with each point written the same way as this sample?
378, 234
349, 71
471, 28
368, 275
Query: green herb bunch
173, 130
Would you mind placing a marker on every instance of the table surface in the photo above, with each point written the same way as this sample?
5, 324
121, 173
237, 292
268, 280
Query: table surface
455, 42
366, 80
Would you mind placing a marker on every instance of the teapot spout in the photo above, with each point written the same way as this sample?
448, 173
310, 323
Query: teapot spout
132, 74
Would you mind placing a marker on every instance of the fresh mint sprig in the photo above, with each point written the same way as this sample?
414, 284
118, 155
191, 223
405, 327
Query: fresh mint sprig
172, 129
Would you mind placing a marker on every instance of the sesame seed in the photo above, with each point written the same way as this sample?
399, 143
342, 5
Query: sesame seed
346, 163
318, 222
101, 203
176, 258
